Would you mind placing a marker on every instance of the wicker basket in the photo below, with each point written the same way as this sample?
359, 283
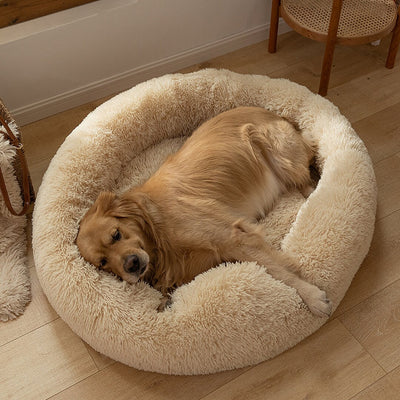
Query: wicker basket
19, 163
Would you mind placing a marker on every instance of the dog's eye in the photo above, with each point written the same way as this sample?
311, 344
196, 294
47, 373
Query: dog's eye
116, 236
103, 262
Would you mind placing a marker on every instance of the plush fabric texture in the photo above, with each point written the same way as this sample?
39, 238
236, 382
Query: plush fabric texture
233, 315
15, 287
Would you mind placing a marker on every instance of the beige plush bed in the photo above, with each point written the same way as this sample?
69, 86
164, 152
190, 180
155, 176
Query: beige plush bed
233, 315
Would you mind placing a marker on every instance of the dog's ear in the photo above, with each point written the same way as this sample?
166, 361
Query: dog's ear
106, 201
102, 205
138, 206
130, 205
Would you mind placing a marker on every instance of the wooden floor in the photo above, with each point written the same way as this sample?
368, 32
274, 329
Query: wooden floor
356, 355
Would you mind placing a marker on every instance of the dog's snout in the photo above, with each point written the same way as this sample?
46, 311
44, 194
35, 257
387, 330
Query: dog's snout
132, 264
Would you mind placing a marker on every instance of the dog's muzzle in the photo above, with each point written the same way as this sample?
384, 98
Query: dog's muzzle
134, 264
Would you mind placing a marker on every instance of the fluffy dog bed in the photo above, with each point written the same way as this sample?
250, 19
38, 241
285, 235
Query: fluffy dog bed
233, 315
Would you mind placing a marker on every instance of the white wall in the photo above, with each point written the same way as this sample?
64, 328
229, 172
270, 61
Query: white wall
66, 59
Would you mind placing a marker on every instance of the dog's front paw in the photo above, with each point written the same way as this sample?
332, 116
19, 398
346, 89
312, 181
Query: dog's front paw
166, 301
317, 301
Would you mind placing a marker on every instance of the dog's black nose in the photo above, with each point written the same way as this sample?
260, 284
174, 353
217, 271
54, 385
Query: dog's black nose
131, 264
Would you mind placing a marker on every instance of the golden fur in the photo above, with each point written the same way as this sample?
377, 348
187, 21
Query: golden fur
201, 207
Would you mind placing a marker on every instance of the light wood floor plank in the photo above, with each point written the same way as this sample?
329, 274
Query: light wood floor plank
329, 365
43, 362
375, 323
367, 94
380, 133
387, 388
381, 266
387, 174
121, 382
99, 359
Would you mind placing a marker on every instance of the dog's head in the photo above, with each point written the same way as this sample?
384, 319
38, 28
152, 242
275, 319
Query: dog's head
113, 236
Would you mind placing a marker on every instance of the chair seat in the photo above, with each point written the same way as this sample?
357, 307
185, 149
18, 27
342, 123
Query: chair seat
361, 21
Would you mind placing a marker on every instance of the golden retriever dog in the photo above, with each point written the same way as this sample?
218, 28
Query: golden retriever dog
201, 207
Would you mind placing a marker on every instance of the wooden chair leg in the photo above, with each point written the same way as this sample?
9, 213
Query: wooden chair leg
330, 47
273, 29
394, 44
326, 68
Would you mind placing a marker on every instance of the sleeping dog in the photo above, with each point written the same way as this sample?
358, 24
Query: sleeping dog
201, 207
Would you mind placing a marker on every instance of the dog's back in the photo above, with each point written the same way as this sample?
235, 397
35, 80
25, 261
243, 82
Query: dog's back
242, 159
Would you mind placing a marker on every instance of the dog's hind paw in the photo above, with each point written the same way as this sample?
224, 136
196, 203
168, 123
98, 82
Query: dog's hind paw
317, 301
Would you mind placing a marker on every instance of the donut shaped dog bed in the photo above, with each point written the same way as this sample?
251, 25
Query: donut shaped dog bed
233, 315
